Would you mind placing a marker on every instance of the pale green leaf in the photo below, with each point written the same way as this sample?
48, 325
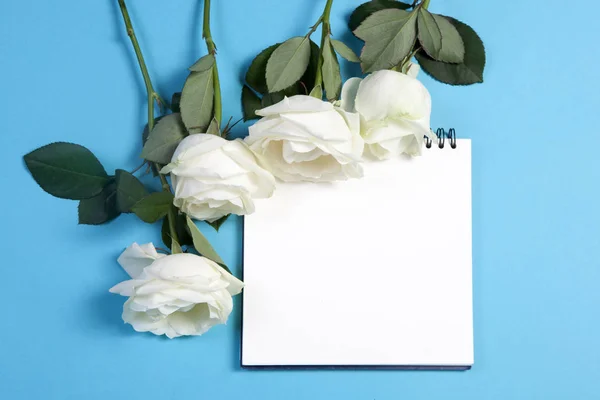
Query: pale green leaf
430, 36
203, 64
197, 100
317, 92
288, 63
163, 139
213, 128
453, 48
389, 36
175, 247
332, 79
201, 244
344, 51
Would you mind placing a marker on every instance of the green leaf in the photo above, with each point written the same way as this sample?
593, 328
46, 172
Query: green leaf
271, 98
217, 224
129, 190
317, 92
430, 35
363, 11
175, 100
201, 244
101, 208
213, 128
163, 139
453, 48
67, 170
288, 63
332, 79
250, 103
183, 234
203, 64
153, 207
468, 72
175, 247
256, 75
309, 77
197, 100
344, 51
146, 132
389, 37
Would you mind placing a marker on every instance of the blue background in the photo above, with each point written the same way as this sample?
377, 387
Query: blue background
67, 73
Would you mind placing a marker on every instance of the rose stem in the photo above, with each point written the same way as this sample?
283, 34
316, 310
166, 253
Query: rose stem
325, 32
212, 49
152, 97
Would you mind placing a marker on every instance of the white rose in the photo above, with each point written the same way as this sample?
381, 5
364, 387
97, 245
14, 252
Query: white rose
395, 111
174, 295
214, 177
302, 138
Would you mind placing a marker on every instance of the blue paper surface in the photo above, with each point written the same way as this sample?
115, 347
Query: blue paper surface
67, 72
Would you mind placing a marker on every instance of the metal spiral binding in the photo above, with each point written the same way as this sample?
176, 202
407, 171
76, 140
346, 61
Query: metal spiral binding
442, 135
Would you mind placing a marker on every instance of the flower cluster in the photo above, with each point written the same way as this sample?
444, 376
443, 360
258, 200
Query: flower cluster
298, 137
301, 138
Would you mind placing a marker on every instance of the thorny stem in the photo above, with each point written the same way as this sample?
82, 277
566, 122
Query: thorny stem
152, 95
325, 32
212, 49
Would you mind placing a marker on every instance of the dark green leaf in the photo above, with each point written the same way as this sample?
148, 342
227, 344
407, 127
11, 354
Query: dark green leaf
129, 190
453, 48
183, 234
470, 71
67, 170
153, 207
201, 244
271, 98
288, 63
217, 224
101, 208
175, 100
389, 37
203, 64
250, 103
344, 51
366, 9
332, 79
197, 101
256, 75
430, 36
163, 139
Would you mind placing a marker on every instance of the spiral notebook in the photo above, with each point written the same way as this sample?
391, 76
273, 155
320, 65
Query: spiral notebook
369, 273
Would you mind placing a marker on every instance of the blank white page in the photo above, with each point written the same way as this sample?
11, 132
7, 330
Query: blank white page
369, 272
